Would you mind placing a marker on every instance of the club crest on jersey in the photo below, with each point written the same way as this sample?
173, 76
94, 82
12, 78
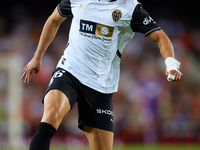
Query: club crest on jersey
116, 15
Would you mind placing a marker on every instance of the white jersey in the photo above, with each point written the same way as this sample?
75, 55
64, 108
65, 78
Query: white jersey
99, 32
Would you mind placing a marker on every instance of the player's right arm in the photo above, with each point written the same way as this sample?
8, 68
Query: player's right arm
48, 34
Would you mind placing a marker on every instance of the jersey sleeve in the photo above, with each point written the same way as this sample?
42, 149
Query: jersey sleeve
64, 8
142, 22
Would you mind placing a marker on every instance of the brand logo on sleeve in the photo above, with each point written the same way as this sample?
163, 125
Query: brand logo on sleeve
148, 20
116, 15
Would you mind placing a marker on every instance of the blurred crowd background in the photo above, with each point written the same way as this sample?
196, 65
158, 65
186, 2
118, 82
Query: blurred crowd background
147, 108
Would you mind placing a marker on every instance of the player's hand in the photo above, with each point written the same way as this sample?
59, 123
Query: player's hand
172, 69
173, 75
33, 65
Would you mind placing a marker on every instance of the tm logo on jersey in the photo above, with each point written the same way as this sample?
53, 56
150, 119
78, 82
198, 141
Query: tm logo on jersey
96, 29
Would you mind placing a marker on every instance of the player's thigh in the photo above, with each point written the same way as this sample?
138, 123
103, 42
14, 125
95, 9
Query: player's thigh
99, 139
56, 105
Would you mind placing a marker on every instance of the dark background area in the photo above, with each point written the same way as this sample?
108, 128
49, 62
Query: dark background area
186, 10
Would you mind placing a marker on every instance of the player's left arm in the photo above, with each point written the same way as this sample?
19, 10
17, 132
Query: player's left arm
167, 51
142, 22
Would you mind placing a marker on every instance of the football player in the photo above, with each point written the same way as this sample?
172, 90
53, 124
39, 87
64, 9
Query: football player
88, 71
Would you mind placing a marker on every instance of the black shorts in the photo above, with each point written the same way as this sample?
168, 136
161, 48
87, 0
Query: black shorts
95, 109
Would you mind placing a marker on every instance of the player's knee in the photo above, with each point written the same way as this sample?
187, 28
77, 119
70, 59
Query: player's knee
52, 117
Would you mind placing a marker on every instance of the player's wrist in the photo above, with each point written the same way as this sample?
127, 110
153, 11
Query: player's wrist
37, 57
172, 64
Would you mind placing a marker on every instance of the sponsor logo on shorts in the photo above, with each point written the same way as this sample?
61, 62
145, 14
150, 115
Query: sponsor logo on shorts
105, 111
